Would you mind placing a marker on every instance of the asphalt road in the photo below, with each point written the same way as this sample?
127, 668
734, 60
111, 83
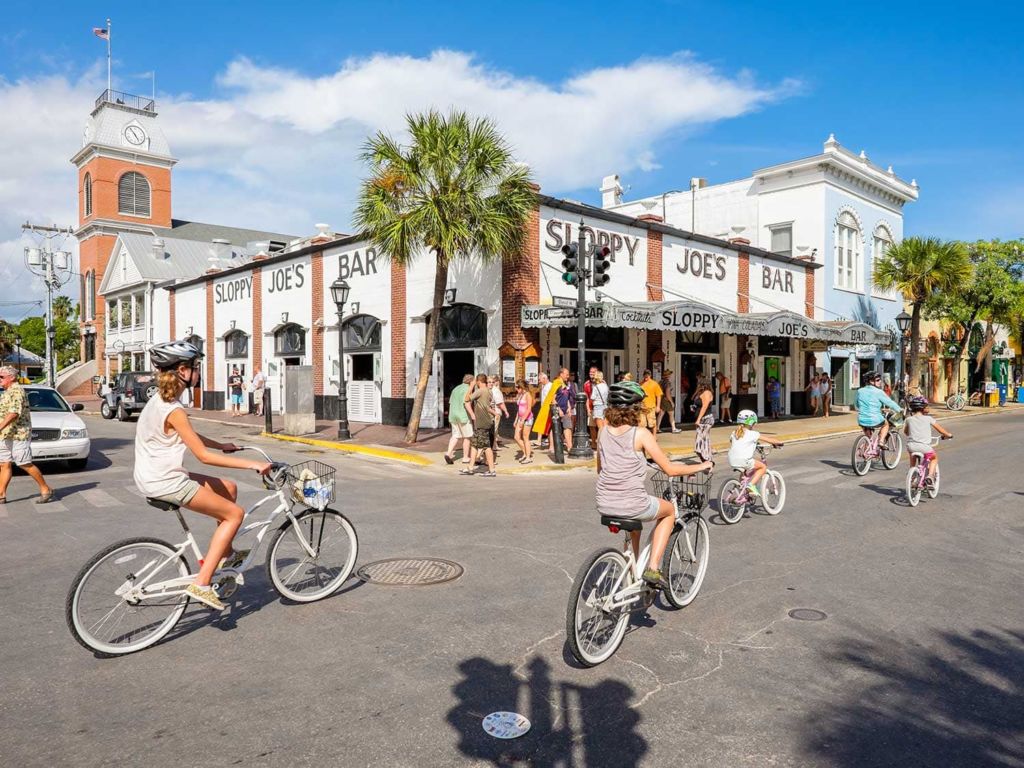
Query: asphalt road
919, 661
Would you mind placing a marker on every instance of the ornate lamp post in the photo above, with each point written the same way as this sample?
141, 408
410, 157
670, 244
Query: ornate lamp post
903, 323
339, 293
17, 347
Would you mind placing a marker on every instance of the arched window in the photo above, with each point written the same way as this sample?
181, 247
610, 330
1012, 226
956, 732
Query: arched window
87, 193
882, 243
236, 344
90, 295
362, 334
848, 264
290, 340
195, 341
462, 326
133, 194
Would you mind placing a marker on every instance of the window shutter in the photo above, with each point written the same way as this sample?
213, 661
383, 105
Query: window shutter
133, 194
88, 194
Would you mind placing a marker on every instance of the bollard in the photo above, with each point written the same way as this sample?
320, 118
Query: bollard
556, 441
268, 417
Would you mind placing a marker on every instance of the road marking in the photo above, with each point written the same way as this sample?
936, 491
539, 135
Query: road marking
819, 478
100, 498
3, 510
796, 471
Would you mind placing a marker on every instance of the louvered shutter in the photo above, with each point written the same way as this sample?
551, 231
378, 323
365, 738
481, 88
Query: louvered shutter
133, 195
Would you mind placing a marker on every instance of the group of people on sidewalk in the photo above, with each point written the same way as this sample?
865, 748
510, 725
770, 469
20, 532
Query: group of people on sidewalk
238, 386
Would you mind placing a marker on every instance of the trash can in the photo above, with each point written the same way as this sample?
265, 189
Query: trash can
1020, 394
1002, 394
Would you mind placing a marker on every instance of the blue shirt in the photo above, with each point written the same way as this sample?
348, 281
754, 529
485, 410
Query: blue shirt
870, 400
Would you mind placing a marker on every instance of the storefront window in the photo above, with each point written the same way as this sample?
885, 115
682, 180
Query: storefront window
362, 333
236, 344
772, 345
290, 340
696, 341
462, 326
597, 338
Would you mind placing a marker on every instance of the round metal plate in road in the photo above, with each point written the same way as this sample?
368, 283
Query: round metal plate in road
506, 725
807, 614
410, 571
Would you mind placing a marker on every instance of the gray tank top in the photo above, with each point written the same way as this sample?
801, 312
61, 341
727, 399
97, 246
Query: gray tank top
620, 486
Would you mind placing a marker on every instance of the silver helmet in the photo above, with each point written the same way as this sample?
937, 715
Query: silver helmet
171, 354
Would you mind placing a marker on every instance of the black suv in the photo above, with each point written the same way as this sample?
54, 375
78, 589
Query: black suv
128, 394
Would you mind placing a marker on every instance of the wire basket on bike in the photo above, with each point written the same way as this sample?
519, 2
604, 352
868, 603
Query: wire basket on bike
691, 492
312, 483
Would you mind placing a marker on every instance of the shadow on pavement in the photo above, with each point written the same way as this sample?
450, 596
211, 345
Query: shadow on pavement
896, 495
960, 704
571, 724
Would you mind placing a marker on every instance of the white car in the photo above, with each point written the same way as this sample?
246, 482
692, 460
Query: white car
57, 433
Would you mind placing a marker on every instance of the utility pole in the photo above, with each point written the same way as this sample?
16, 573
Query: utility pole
54, 267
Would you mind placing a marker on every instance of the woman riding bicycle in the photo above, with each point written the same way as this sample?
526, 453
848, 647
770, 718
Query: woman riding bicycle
622, 469
870, 401
164, 432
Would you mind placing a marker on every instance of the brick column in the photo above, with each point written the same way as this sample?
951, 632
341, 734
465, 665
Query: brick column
399, 321
170, 306
654, 264
743, 278
809, 292
211, 378
257, 315
520, 285
317, 301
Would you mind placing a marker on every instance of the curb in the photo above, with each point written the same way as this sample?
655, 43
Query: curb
366, 450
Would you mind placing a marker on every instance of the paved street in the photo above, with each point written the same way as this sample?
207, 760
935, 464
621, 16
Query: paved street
919, 661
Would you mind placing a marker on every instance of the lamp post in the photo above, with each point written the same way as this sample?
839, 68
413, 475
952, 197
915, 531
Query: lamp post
903, 324
339, 292
17, 347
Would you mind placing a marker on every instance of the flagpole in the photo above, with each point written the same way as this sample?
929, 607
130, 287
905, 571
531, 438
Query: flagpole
108, 59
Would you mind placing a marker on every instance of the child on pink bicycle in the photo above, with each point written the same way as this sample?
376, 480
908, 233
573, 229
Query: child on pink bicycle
742, 445
918, 430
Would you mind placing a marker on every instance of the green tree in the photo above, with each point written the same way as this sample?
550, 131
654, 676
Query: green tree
454, 192
65, 331
919, 268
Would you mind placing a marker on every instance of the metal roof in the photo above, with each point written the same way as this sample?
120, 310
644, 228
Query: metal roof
20, 355
194, 230
180, 259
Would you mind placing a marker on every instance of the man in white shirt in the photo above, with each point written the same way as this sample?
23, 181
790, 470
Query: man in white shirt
259, 383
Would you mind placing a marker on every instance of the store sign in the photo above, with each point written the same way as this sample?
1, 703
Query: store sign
710, 266
356, 264
233, 290
561, 232
287, 278
775, 279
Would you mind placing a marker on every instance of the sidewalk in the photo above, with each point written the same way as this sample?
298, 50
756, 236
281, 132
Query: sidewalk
387, 442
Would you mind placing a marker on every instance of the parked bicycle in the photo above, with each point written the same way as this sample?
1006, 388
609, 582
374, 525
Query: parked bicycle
958, 400
609, 585
734, 497
867, 450
918, 482
131, 594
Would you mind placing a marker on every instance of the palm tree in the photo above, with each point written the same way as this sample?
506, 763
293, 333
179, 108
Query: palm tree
920, 267
455, 192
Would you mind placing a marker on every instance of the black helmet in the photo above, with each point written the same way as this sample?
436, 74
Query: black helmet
869, 377
171, 354
625, 393
916, 403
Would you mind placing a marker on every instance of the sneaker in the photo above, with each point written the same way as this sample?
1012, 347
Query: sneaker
653, 577
235, 559
205, 595
489, 473
449, 459
466, 472
753, 491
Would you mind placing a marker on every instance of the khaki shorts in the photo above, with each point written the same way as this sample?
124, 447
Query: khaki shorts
648, 420
18, 452
183, 495
462, 430
257, 396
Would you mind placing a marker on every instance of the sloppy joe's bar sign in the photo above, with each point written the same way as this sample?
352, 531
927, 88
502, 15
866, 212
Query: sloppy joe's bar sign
558, 233
695, 317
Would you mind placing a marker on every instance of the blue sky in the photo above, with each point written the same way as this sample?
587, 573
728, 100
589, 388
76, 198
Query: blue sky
934, 90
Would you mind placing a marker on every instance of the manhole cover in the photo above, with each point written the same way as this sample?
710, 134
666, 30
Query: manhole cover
807, 614
410, 571
506, 725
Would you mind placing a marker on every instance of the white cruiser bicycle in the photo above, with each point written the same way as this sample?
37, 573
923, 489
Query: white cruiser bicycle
131, 594
609, 585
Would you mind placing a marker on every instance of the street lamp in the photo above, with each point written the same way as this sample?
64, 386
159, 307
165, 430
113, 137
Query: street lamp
17, 347
339, 292
903, 323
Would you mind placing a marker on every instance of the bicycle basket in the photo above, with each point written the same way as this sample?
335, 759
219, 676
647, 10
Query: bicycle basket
312, 483
691, 492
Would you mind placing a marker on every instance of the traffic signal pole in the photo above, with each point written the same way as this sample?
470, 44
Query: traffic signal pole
581, 436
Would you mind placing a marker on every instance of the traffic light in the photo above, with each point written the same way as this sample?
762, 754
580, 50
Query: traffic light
570, 264
601, 265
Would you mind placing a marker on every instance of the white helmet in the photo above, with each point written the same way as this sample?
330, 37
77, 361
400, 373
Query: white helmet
747, 417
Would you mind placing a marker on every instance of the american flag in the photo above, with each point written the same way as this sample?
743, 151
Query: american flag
101, 32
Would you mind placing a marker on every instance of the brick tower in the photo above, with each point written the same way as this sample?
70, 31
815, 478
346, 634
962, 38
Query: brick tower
124, 185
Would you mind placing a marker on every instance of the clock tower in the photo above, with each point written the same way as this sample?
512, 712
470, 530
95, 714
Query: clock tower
124, 185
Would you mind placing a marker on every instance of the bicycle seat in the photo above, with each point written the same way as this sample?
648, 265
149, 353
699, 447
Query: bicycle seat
621, 524
166, 506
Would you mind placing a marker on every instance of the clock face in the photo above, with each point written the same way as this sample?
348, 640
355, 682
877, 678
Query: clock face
133, 134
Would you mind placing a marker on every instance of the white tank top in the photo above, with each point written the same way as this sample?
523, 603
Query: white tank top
158, 456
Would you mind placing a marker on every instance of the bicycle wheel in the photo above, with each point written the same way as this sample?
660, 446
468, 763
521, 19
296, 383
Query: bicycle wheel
685, 561
858, 457
595, 634
301, 577
913, 488
892, 450
106, 623
773, 492
728, 508
933, 489
956, 402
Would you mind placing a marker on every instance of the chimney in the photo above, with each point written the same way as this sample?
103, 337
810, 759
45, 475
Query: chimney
158, 249
611, 191
220, 251
322, 234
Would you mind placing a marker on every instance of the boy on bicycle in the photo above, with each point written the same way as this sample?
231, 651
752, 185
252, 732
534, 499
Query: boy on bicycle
918, 430
742, 445
870, 401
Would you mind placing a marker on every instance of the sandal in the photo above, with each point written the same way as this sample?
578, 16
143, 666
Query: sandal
448, 459
45, 499
524, 462
466, 472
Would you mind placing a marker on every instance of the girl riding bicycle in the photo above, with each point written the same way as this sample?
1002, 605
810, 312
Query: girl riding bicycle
742, 444
164, 432
918, 430
622, 469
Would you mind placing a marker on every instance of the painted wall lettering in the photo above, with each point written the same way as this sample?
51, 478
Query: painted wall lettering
710, 266
233, 290
287, 278
561, 232
354, 264
776, 280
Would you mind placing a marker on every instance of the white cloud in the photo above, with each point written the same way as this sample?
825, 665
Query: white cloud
277, 149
